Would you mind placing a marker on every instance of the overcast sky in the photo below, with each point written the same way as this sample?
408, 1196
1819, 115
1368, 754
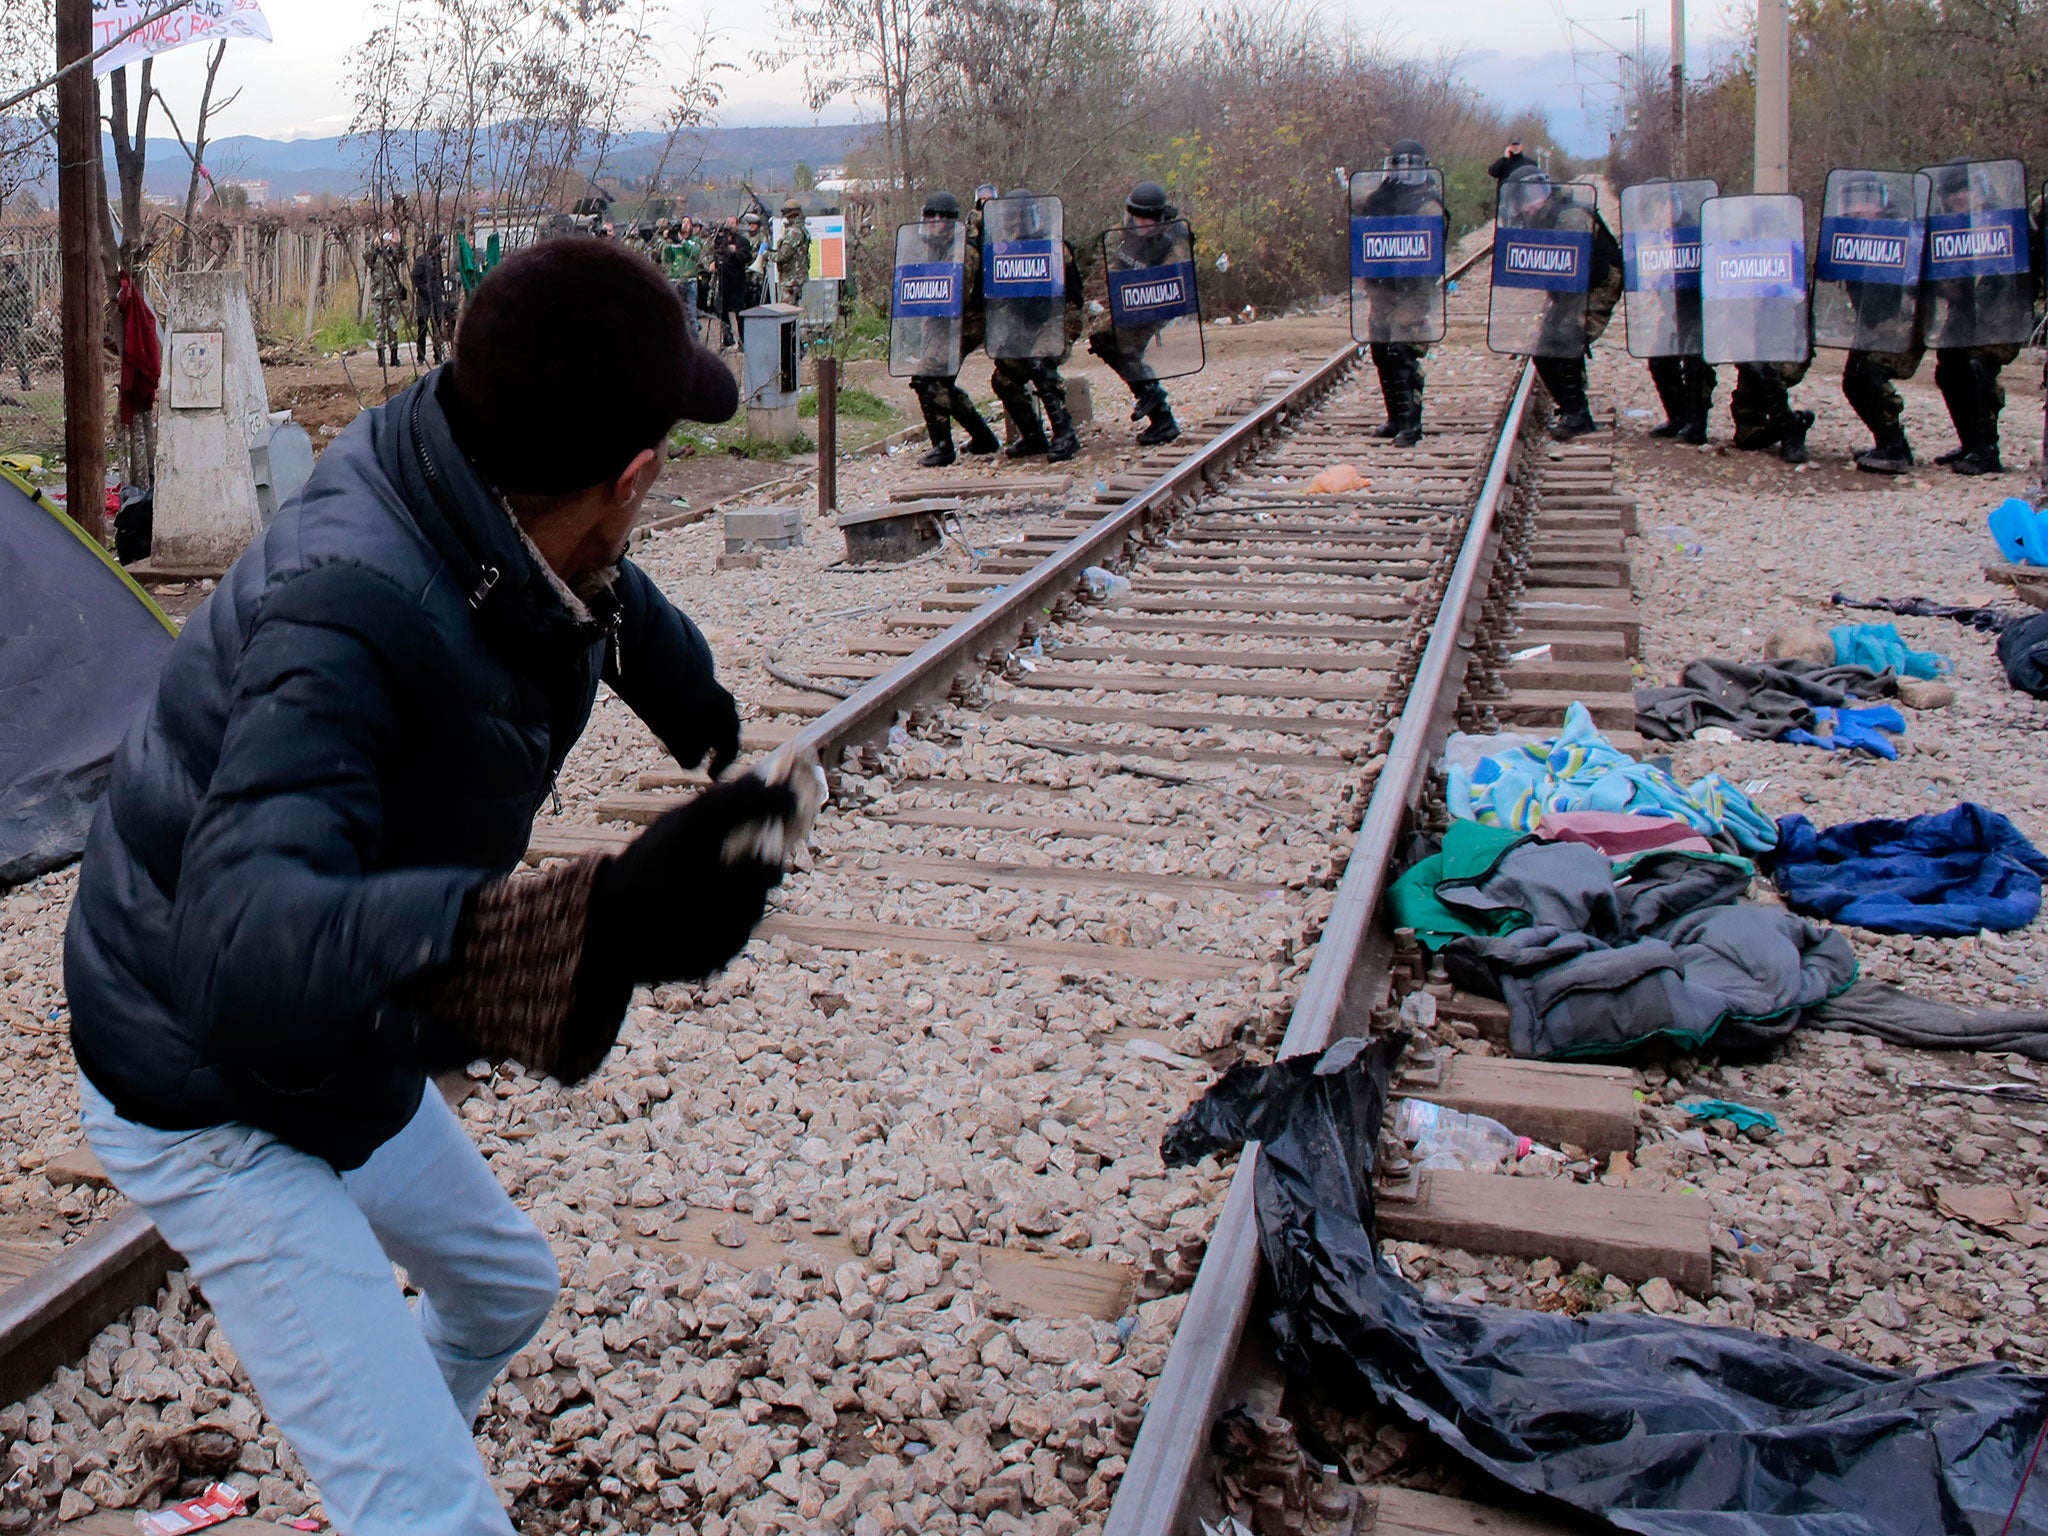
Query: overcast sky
295, 87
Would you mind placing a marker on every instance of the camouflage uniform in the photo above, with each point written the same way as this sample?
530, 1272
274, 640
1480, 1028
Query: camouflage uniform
387, 292
1761, 409
1016, 379
1565, 377
792, 255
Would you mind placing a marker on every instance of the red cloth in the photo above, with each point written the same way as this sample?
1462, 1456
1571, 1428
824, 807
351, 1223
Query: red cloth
142, 356
1621, 833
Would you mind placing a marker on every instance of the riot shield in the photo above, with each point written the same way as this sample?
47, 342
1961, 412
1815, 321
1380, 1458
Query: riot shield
1660, 264
928, 298
1542, 266
1152, 299
1024, 276
1397, 256
1753, 302
1979, 282
1866, 272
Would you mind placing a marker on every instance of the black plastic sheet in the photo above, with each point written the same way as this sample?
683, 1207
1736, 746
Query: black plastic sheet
1652, 1424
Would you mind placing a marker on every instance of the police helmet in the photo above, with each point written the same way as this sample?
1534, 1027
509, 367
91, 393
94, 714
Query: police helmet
1865, 188
986, 192
1407, 154
1951, 180
941, 205
1148, 201
1030, 223
1526, 188
750, 217
791, 208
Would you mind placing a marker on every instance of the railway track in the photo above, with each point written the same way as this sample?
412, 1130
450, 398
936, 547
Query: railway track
1158, 820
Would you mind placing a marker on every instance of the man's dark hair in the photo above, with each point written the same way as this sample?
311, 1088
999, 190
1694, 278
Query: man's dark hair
574, 356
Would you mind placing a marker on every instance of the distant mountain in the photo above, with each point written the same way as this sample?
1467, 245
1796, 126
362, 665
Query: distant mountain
766, 156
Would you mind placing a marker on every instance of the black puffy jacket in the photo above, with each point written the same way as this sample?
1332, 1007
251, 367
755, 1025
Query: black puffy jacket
352, 734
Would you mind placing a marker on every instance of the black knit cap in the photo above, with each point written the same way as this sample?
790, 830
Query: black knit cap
573, 357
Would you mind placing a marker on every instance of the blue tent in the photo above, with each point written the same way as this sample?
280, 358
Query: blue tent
80, 648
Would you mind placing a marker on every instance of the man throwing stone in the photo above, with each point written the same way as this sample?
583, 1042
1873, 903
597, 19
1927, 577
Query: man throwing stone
299, 898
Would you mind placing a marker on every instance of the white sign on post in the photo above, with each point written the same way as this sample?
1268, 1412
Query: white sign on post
200, 21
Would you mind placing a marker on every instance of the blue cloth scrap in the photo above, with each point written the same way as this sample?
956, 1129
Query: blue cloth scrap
1581, 770
1882, 648
1852, 730
1946, 874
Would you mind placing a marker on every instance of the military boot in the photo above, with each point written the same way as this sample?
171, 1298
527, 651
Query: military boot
1891, 455
1694, 432
1792, 444
1570, 424
1065, 441
981, 438
1409, 425
1980, 460
1952, 455
939, 423
1164, 429
1030, 434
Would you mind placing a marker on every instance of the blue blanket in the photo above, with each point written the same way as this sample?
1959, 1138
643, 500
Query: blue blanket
1953, 872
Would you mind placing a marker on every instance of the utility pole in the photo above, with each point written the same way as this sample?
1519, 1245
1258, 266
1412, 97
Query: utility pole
80, 195
1773, 98
1678, 90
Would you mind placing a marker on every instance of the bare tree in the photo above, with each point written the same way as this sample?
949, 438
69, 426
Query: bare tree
872, 50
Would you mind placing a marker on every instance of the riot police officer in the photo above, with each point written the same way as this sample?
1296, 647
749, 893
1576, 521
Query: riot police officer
1876, 311
1151, 237
939, 395
1401, 310
1571, 322
1051, 321
1660, 227
1976, 320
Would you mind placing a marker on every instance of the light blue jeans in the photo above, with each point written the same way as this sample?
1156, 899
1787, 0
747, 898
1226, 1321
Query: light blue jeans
376, 1397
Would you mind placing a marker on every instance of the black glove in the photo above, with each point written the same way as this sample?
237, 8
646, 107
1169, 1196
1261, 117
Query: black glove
722, 732
675, 906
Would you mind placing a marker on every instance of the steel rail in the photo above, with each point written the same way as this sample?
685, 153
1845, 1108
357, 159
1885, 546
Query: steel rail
1336, 999
928, 672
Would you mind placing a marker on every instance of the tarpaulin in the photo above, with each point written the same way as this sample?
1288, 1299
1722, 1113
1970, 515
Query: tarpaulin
1654, 1425
1949, 873
80, 648
2023, 652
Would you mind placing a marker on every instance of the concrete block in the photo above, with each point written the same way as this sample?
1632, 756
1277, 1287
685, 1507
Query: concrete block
763, 528
215, 409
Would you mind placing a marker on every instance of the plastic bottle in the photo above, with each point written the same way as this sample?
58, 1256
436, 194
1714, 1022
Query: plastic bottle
1451, 1139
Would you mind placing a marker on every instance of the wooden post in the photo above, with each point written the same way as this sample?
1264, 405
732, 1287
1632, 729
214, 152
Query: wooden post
313, 287
1773, 99
828, 435
84, 301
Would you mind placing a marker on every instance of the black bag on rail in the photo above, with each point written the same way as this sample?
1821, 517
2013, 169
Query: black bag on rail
1653, 1425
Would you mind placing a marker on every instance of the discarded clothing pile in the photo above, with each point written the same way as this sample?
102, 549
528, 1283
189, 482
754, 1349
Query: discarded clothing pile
1595, 957
1655, 1425
1774, 701
2022, 637
1581, 770
1953, 872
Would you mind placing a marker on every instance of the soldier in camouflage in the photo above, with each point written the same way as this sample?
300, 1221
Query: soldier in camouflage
792, 255
386, 260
